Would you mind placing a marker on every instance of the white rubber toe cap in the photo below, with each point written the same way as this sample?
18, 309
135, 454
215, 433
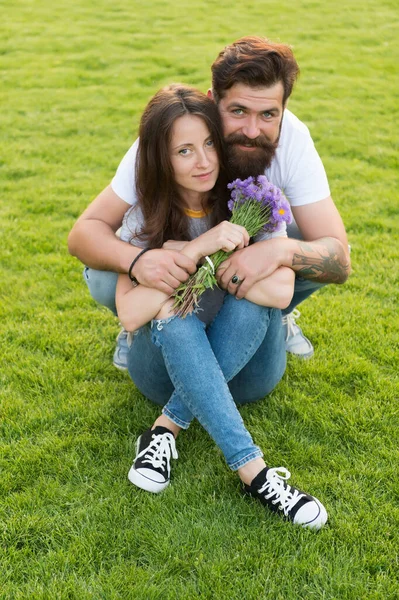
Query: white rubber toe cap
147, 479
312, 514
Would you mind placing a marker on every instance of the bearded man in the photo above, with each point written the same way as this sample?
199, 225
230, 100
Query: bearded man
252, 80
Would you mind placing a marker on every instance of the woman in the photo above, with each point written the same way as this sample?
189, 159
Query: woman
201, 366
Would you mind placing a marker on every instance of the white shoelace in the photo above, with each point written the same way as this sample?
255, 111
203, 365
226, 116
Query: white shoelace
161, 448
289, 320
276, 485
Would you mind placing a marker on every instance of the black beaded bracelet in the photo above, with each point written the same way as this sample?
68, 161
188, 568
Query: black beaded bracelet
132, 277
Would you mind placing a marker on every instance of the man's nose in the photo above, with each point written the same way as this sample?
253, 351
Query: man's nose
250, 128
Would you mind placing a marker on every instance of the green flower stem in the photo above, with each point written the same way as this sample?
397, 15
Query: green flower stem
251, 215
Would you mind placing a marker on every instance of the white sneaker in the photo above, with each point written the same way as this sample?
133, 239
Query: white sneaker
271, 488
121, 351
151, 468
295, 342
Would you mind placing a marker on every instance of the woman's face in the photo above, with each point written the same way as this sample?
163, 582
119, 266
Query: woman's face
193, 157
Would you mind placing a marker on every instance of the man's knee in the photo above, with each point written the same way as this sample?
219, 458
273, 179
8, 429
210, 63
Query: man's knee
102, 286
258, 390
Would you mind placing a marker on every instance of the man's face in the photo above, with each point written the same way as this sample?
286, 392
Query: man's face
251, 121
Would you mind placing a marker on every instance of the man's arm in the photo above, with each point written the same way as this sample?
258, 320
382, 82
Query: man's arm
93, 241
323, 256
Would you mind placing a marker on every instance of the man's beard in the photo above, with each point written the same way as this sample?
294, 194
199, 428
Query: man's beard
251, 163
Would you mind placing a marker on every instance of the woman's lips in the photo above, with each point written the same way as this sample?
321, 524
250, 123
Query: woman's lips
203, 175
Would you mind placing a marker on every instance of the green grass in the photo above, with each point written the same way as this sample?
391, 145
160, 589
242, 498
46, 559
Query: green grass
75, 77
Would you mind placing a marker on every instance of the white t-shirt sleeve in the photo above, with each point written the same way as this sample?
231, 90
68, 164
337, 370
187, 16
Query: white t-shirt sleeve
308, 180
297, 168
124, 181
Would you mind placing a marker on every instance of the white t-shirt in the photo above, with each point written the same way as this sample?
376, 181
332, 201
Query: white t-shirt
296, 168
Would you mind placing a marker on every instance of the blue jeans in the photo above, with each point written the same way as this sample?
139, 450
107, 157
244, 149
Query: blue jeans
202, 372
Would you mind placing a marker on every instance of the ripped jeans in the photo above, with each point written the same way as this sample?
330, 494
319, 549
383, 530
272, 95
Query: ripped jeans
202, 372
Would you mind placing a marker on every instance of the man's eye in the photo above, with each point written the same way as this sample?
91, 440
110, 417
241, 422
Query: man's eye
237, 111
267, 114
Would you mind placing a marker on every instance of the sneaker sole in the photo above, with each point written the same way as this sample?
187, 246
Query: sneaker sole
304, 356
142, 482
119, 367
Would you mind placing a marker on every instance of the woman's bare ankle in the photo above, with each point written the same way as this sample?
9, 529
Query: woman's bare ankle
163, 421
251, 470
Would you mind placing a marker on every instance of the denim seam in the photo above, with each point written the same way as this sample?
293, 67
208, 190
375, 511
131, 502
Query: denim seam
176, 420
178, 388
249, 351
243, 461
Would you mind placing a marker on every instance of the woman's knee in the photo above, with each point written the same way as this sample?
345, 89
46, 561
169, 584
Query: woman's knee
244, 312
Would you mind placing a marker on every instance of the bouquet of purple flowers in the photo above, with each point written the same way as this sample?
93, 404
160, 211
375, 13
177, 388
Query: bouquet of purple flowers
257, 205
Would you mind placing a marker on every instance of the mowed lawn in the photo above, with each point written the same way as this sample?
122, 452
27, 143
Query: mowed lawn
75, 77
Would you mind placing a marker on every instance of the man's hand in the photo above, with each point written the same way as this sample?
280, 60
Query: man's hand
325, 260
163, 270
251, 265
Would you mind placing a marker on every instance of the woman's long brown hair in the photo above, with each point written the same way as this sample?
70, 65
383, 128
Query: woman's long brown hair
158, 196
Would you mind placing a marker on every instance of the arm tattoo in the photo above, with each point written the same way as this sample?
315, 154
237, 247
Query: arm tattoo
325, 263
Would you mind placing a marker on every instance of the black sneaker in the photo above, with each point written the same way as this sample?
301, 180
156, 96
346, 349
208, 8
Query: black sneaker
270, 487
151, 468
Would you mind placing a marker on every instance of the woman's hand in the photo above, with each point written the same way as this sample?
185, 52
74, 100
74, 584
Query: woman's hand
225, 236
174, 245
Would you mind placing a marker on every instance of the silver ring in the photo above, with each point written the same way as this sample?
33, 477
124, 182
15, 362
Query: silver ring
236, 280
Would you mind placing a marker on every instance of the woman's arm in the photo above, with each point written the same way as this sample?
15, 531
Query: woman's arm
275, 291
136, 306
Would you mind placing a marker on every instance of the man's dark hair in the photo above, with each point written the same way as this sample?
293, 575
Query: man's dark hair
256, 62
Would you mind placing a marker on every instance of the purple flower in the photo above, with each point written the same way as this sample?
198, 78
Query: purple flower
282, 212
275, 209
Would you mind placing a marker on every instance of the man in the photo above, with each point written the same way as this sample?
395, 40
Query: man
252, 80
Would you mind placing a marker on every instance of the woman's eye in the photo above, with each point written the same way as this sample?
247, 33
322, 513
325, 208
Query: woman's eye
184, 151
210, 144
